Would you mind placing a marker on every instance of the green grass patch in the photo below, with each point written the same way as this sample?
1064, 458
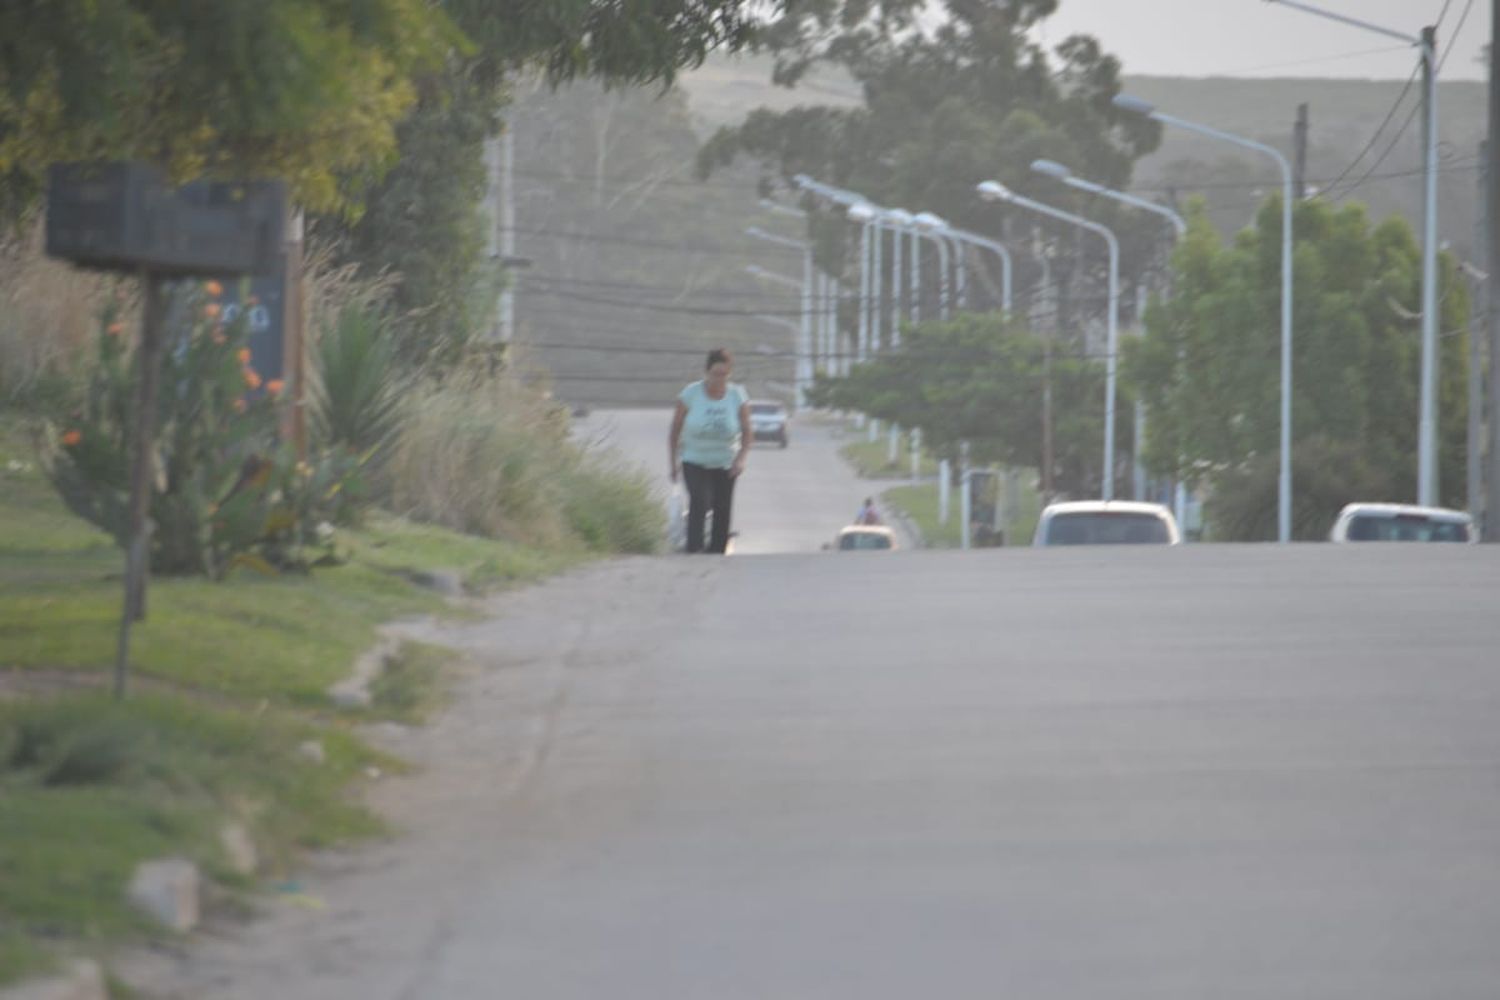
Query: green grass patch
93, 787
411, 685
919, 503
870, 458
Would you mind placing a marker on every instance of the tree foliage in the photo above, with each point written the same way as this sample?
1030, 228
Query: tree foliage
944, 108
981, 379
1209, 365
309, 90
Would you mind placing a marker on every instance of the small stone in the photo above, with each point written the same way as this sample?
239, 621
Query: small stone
239, 849
313, 750
350, 696
81, 980
372, 772
167, 891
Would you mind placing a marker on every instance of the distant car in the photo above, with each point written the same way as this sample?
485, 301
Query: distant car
768, 421
1400, 522
865, 538
1106, 522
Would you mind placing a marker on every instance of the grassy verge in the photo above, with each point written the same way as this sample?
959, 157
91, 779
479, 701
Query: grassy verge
920, 504
869, 459
229, 680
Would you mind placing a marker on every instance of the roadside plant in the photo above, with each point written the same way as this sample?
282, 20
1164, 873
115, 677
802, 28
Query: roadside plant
226, 492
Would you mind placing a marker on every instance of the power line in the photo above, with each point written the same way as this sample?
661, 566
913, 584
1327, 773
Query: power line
1411, 116
1375, 136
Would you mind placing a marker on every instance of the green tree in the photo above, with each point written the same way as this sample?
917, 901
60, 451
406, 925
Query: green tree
1209, 365
943, 109
303, 89
981, 379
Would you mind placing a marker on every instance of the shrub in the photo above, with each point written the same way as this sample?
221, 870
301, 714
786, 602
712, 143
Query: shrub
360, 394
225, 491
484, 454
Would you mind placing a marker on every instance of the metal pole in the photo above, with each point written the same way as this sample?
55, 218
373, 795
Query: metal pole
916, 277
1111, 363
1138, 468
1284, 478
1427, 445
945, 279
945, 489
1473, 465
864, 291
897, 302
804, 349
966, 498
961, 273
877, 295
1492, 259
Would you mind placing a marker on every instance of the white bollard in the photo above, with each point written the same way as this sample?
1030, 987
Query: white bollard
916, 454
944, 487
893, 445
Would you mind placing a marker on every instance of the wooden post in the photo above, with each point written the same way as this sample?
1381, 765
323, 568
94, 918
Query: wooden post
142, 472
293, 337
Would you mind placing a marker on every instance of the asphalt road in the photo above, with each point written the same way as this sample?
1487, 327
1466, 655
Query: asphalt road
790, 500
1237, 773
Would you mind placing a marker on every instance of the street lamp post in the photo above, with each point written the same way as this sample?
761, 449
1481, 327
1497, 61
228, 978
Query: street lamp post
1179, 226
935, 229
1427, 431
1284, 484
995, 191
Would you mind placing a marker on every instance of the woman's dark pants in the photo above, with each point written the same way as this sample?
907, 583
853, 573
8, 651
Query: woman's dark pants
708, 490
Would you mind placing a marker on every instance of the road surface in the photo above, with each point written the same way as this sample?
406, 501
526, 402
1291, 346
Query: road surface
790, 500
1145, 774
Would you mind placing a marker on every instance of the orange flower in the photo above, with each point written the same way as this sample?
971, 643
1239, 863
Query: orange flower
218, 336
213, 288
211, 310
115, 329
251, 378
244, 355
239, 406
275, 386
71, 438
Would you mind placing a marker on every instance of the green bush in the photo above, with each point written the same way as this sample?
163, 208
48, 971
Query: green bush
225, 492
361, 388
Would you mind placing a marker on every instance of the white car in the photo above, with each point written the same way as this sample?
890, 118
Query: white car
768, 421
1401, 522
1106, 522
864, 538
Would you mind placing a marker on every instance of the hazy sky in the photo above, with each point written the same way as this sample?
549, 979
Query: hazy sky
1255, 38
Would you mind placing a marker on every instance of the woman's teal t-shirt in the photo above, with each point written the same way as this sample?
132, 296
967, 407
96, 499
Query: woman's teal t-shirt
711, 429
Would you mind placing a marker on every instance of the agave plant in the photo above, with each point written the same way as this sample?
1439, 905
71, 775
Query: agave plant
360, 391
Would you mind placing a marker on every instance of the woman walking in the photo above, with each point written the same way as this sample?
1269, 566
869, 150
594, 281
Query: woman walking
711, 436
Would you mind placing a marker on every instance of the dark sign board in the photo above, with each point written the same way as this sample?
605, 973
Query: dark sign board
127, 216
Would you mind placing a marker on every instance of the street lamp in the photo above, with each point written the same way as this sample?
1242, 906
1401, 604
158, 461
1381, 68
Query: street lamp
1054, 169
1179, 226
933, 227
1427, 451
1284, 485
995, 191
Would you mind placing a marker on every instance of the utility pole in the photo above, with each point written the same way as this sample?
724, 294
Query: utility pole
1429, 488
1474, 465
1492, 259
1299, 163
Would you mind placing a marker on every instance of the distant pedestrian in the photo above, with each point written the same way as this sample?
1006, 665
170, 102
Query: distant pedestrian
711, 437
867, 514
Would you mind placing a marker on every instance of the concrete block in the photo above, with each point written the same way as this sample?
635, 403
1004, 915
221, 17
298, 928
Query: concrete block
167, 891
239, 849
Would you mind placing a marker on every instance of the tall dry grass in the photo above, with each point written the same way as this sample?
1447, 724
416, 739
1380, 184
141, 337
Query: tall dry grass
49, 317
487, 455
